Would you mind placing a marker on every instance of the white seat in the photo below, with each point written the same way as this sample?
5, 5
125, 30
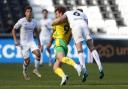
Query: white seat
110, 27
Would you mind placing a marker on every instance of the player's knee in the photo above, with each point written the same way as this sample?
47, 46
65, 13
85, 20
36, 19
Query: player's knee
56, 65
38, 54
80, 51
27, 61
92, 48
60, 56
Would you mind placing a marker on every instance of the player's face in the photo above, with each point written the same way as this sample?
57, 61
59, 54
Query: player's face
58, 14
28, 13
45, 14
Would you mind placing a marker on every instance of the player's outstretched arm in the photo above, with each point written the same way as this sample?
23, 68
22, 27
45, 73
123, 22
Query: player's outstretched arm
60, 20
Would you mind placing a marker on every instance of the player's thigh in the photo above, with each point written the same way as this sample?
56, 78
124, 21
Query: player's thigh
86, 33
25, 51
59, 52
34, 49
77, 34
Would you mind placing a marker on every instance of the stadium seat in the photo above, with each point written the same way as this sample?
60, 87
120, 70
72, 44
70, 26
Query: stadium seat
111, 2
58, 2
110, 27
70, 2
90, 3
81, 2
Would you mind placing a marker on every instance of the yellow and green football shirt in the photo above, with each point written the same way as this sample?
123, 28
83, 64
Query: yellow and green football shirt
61, 35
62, 31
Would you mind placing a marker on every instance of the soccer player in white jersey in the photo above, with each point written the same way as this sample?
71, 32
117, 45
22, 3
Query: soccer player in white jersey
79, 24
45, 35
27, 26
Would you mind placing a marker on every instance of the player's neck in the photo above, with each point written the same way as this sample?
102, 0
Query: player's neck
28, 19
45, 17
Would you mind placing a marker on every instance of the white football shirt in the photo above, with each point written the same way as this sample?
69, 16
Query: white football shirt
75, 17
26, 29
46, 27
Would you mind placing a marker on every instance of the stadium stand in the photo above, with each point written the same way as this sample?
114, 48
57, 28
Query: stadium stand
10, 12
105, 16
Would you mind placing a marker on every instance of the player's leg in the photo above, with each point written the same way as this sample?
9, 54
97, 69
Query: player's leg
25, 68
63, 50
48, 51
37, 62
42, 42
41, 58
58, 70
96, 57
78, 37
25, 54
82, 60
57, 67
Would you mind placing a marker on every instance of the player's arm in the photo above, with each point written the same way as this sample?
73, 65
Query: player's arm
60, 20
37, 32
49, 44
16, 26
70, 38
14, 36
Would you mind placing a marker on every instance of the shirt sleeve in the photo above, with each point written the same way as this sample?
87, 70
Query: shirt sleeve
18, 24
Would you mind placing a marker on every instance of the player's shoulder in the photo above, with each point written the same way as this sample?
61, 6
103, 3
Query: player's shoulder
34, 20
22, 19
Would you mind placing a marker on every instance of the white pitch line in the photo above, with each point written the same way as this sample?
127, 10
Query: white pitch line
59, 86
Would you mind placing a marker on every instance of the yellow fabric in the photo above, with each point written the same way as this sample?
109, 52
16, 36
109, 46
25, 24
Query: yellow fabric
62, 31
68, 61
57, 42
59, 72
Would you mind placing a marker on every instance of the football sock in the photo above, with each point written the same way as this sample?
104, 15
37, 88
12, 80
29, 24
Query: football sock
68, 61
37, 64
97, 59
59, 72
41, 59
81, 59
82, 62
25, 65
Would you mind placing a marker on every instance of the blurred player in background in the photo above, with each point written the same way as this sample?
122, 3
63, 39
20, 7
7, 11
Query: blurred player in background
27, 26
45, 35
79, 24
62, 35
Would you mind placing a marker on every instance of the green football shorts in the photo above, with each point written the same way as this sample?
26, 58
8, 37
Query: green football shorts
60, 46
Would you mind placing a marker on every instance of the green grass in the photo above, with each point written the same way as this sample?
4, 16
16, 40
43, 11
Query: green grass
116, 77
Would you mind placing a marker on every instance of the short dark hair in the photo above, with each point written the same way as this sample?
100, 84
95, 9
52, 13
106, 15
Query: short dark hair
61, 9
27, 7
45, 10
80, 10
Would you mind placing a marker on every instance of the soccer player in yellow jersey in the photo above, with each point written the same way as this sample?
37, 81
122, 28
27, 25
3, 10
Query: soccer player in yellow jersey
62, 35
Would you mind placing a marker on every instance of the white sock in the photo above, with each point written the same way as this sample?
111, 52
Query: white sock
82, 61
25, 66
49, 56
97, 59
41, 59
37, 64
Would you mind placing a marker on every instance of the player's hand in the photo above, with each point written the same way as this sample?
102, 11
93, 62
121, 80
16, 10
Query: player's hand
17, 43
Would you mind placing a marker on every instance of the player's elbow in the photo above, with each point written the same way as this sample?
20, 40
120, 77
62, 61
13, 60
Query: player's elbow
13, 31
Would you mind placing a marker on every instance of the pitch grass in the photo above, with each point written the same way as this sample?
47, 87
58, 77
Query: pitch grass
116, 77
